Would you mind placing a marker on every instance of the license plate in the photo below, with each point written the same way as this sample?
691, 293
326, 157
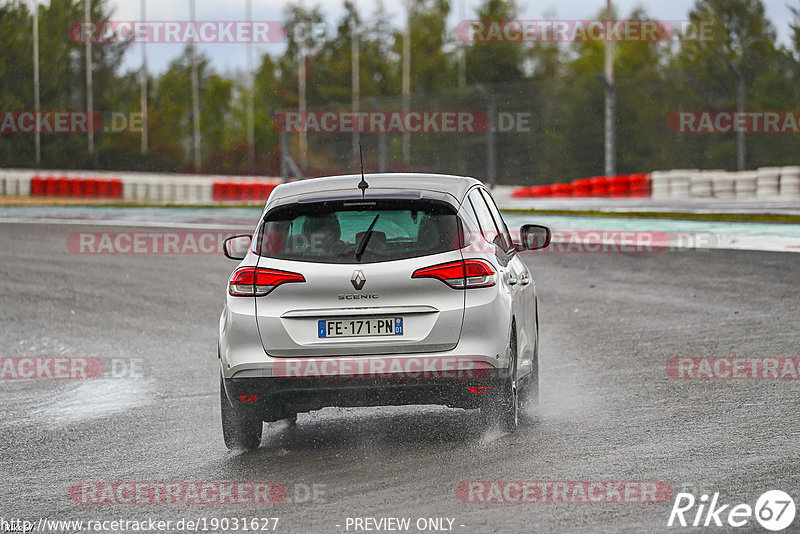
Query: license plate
384, 326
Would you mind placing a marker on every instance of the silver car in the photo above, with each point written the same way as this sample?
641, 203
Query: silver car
377, 290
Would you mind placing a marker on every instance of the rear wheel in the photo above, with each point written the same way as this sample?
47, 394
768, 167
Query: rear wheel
503, 408
238, 431
529, 399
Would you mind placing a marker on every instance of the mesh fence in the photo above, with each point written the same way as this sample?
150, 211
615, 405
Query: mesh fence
544, 132
536, 137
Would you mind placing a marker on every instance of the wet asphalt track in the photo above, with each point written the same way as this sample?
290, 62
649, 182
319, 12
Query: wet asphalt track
608, 410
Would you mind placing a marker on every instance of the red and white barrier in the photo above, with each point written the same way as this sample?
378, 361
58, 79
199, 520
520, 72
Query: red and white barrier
769, 183
619, 186
136, 187
64, 186
772, 183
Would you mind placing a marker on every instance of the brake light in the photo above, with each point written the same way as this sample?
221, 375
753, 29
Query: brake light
462, 274
257, 282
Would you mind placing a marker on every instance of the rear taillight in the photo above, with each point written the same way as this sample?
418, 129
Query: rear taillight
257, 282
462, 274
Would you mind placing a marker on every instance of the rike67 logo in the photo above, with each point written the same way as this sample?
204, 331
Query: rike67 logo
774, 510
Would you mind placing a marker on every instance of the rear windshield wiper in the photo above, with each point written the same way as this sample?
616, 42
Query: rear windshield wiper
362, 246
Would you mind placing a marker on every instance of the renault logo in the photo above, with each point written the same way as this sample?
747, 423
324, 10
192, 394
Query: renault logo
358, 280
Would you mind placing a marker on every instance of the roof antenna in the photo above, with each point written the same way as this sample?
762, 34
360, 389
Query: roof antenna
363, 185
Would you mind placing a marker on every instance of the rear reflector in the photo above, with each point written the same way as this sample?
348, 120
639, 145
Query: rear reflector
462, 274
257, 282
479, 389
248, 398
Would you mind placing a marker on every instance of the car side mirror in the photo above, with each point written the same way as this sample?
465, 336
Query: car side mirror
534, 236
236, 246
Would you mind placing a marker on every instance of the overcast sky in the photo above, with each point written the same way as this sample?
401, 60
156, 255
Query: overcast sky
231, 57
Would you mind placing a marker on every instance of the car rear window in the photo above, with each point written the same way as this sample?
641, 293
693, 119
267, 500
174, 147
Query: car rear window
335, 231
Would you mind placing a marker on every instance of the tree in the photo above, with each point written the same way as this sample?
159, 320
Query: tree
734, 35
496, 62
171, 118
62, 77
431, 66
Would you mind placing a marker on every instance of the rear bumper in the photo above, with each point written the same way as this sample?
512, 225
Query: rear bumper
279, 398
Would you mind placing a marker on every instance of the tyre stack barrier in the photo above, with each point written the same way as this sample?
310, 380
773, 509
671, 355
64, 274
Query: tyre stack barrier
64, 187
639, 185
532, 191
744, 184
197, 189
582, 187
523, 192
700, 184
679, 181
617, 186
768, 182
37, 186
132, 186
562, 190
15, 183
790, 183
599, 186
155, 191
659, 184
723, 185
542, 190
237, 191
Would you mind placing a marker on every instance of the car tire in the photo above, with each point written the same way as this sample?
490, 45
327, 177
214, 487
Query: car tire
509, 405
529, 397
529, 392
504, 407
238, 431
